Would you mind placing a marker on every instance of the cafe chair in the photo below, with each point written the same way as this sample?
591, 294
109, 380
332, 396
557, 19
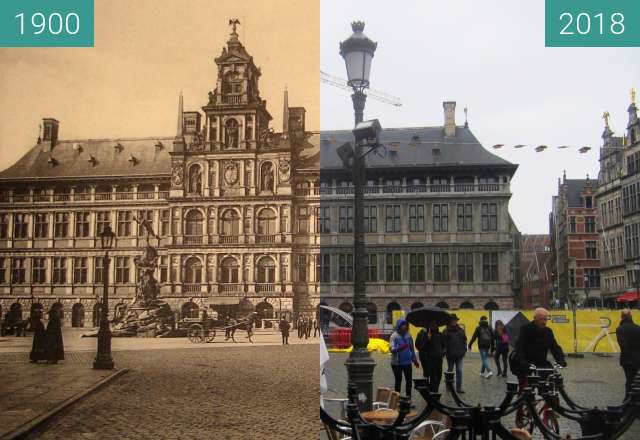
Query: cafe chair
430, 430
382, 398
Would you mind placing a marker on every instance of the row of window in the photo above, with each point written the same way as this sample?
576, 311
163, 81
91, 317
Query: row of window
14, 270
611, 212
415, 220
442, 263
589, 224
592, 281
631, 198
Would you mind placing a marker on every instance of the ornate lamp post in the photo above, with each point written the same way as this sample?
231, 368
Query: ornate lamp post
103, 360
357, 52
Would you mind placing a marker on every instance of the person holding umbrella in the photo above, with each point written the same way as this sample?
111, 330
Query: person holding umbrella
431, 348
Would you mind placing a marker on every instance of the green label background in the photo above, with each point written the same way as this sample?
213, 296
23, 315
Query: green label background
10, 26
629, 8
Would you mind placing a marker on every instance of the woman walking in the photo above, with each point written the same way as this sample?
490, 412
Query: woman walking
502, 340
402, 356
39, 340
55, 346
485, 338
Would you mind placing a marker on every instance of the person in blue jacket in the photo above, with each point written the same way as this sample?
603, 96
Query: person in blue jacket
402, 356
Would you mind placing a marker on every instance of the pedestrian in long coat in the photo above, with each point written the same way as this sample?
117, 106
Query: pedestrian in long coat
55, 346
628, 335
284, 328
38, 348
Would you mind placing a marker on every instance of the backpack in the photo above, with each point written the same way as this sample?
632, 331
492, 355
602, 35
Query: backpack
484, 336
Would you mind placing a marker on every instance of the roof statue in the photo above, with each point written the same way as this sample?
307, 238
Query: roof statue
633, 95
234, 22
606, 116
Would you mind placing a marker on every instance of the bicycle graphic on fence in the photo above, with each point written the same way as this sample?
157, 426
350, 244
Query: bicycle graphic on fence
605, 325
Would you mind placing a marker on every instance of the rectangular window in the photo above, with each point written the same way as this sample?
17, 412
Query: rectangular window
394, 271
572, 224
103, 219
4, 226
324, 220
416, 268
124, 223
392, 218
39, 270
490, 266
489, 212
416, 218
372, 268
325, 268
20, 225
165, 222
345, 268
440, 218
18, 270
465, 267
164, 269
82, 224
302, 268
371, 219
591, 250
41, 226
97, 270
465, 217
61, 226
122, 270
593, 276
80, 270
441, 267
589, 224
3, 270
59, 272
345, 219
303, 219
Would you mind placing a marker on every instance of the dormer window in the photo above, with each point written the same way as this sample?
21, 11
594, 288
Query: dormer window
588, 202
118, 147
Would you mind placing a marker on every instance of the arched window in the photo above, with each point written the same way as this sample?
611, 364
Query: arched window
264, 310
391, 307
266, 176
416, 305
346, 307
229, 270
372, 312
195, 180
466, 305
491, 305
193, 271
15, 313
266, 222
77, 315
266, 270
442, 305
194, 223
230, 223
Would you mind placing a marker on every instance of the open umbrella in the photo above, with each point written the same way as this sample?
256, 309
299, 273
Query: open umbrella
422, 316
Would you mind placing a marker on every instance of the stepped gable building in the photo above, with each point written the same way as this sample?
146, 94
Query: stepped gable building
618, 197
232, 201
436, 215
574, 233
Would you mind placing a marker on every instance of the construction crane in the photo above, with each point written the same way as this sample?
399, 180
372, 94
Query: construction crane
373, 94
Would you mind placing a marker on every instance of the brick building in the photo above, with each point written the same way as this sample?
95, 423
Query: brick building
536, 267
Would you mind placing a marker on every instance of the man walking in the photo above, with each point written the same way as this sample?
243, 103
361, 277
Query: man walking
628, 335
284, 329
455, 341
485, 337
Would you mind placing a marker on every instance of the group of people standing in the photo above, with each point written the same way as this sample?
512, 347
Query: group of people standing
47, 343
304, 325
434, 346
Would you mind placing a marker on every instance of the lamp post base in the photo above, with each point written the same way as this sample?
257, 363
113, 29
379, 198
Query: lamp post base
103, 362
360, 372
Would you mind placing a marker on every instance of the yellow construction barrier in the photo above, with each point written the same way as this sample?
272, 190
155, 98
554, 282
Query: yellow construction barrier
375, 345
595, 329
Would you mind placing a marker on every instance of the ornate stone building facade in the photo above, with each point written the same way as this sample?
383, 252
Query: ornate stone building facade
233, 204
438, 229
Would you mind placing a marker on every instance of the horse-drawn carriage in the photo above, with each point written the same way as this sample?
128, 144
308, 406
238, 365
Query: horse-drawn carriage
206, 329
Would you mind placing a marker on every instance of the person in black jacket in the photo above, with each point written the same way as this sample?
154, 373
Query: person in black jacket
534, 342
455, 341
431, 347
628, 335
485, 338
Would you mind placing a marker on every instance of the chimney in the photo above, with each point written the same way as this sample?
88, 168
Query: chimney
285, 113
178, 141
49, 133
449, 118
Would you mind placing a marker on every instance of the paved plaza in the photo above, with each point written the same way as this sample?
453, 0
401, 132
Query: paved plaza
591, 381
188, 391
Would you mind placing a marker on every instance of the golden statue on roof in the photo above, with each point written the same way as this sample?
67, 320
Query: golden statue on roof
633, 95
606, 116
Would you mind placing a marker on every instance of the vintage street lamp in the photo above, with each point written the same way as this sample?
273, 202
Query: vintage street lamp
585, 280
357, 51
103, 360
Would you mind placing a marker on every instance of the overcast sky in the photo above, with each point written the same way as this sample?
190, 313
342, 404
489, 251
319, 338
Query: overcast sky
490, 57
